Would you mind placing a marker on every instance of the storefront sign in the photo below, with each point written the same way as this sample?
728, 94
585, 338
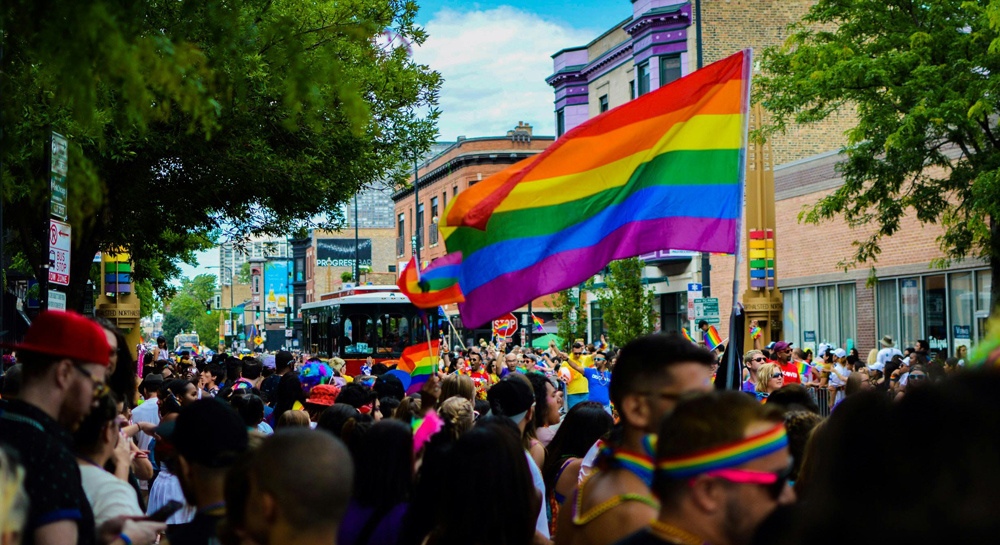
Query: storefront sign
339, 252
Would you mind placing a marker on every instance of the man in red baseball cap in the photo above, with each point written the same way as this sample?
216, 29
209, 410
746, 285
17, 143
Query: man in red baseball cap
64, 360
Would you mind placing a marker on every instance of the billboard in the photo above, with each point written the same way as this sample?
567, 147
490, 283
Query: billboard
276, 290
339, 252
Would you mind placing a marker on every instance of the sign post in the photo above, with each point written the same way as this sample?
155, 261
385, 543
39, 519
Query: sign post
505, 327
707, 308
59, 234
694, 292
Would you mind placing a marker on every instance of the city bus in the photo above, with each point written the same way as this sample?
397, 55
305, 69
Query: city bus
355, 323
187, 341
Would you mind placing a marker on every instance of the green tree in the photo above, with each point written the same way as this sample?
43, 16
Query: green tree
187, 310
195, 120
627, 303
923, 79
572, 315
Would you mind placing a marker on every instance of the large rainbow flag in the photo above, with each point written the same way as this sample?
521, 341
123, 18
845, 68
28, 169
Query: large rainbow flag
663, 171
434, 286
420, 361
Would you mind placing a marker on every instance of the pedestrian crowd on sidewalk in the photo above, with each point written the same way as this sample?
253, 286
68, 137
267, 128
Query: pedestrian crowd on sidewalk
503, 446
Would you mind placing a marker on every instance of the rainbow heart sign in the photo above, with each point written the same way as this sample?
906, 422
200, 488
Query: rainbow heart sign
505, 326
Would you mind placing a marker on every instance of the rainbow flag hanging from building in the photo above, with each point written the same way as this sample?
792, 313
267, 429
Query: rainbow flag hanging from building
434, 286
663, 171
420, 361
712, 338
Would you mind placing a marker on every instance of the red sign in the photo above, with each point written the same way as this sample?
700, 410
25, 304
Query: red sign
59, 252
505, 326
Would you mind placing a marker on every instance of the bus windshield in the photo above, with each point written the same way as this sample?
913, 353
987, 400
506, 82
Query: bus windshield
367, 331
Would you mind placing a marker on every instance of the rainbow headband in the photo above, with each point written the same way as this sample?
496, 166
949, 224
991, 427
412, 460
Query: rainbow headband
725, 456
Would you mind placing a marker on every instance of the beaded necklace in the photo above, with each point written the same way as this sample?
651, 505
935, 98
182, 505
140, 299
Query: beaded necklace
674, 534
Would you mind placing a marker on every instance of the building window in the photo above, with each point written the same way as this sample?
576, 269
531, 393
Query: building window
888, 310
935, 313
909, 307
820, 314
454, 191
631, 89
673, 312
560, 123
643, 78
596, 322
434, 208
670, 69
402, 228
790, 318
604, 103
419, 225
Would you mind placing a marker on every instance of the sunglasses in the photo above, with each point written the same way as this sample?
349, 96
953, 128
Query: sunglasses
916, 377
777, 375
774, 483
760, 359
600, 359
100, 388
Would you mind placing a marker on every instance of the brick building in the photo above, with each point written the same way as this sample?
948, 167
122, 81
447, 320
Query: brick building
908, 299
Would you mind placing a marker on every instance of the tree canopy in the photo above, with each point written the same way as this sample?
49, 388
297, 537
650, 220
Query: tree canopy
192, 121
627, 303
923, 79
188, 313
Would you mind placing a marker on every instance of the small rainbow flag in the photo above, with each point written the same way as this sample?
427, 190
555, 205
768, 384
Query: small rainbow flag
538, 323
712, 338
434, 286
686, 334
420, 361
803, 368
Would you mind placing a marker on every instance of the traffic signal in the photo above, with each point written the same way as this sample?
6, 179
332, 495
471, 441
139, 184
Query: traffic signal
208, 308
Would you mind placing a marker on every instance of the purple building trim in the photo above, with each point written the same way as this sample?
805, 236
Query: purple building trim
657, 50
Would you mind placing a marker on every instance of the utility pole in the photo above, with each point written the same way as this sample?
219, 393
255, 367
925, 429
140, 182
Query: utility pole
357, 253
419, 220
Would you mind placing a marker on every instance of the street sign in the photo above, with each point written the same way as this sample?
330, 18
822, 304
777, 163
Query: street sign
57, 176
258, 340
59, 248
505, 326
57, 300
694, 292
707, 309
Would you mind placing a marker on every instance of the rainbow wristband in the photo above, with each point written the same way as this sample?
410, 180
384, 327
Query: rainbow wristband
125, 538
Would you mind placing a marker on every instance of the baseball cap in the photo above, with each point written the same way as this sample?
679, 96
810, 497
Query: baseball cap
840, 353
782, 345
323, 394
68, 335
208, 432
152, 381
511, 398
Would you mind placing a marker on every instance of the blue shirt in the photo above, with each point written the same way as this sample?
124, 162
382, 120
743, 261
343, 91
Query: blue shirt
598, 382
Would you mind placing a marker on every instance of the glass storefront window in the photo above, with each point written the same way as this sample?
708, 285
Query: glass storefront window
983, 281
888, 310
829, 321
935, 316
790, 320
962, 303
909, 307
808, 313
848, 316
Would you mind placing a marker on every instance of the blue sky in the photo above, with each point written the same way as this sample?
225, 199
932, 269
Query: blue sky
494, 56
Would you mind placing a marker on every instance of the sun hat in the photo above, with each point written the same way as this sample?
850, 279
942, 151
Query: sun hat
886, 341
66, 334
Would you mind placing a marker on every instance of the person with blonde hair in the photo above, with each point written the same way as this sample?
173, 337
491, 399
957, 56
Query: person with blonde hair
293, 419
13, 500
769, 379
458, 416
457, 385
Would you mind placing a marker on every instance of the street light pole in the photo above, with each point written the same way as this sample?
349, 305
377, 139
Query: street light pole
357, 262
416, 207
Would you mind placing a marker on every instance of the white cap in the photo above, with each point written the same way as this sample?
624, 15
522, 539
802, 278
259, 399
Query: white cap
840, 353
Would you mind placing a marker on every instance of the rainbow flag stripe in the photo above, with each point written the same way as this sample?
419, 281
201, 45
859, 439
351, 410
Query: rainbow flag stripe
803, 368
663, 171
538, 323
725, 456
686, 334
712, 338
420, 361
434, 286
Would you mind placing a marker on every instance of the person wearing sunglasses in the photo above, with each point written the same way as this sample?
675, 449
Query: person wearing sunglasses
752, 361
721, 500
769, 379
915, 378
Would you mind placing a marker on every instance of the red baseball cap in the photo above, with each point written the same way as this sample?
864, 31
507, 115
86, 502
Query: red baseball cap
66, 334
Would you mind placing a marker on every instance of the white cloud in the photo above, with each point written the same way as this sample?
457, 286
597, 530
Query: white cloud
494, 64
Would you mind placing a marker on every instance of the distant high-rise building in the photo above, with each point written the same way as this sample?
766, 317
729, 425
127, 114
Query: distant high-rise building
232, 257
375, 208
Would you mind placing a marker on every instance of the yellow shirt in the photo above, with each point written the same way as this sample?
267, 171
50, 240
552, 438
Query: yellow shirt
578, 383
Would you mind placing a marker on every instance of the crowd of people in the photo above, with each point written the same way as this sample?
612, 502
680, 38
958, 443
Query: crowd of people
504, 446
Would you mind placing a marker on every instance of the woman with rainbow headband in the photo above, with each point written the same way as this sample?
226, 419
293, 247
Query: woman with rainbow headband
722, 466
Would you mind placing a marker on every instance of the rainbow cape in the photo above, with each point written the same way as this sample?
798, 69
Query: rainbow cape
434, 286
663, 171
420, 361
712, 338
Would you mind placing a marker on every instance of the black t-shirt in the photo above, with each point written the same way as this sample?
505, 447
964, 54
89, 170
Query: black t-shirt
200, 531
52, 476
643, 537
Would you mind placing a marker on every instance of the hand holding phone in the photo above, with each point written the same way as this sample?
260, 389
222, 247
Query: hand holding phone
165, 512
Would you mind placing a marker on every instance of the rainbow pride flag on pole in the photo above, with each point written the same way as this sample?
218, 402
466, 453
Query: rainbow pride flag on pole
712, 338
434, 286
538, 323
663, 171
687, 335
420, 361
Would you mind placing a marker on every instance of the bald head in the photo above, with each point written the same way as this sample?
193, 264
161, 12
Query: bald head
308, 474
